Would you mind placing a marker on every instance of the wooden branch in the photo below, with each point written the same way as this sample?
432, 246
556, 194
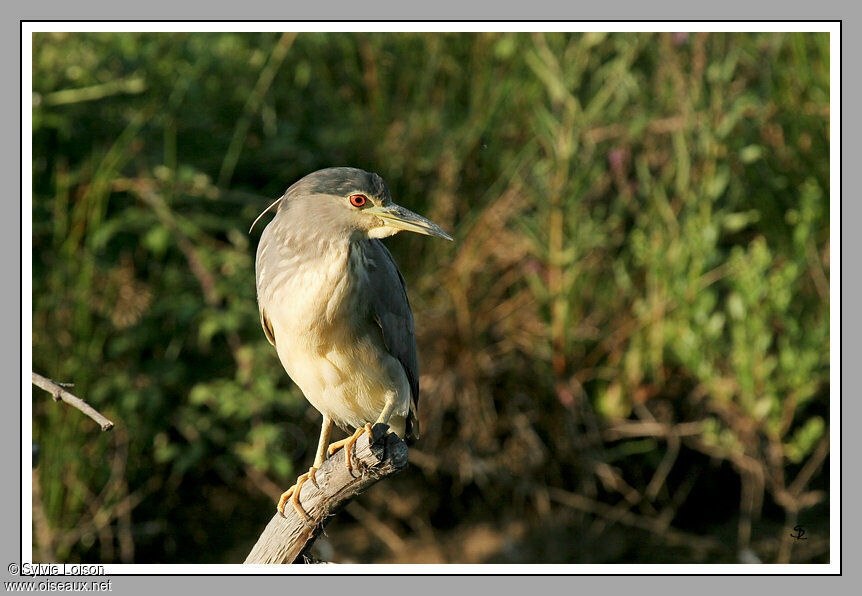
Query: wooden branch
59, 393
286, 538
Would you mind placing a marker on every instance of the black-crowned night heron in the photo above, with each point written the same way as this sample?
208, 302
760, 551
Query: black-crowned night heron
334, 305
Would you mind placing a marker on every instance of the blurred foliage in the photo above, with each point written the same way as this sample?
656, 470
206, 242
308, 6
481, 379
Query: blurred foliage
625, 353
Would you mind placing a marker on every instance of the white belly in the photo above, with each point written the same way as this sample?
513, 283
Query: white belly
348, 388
330, 347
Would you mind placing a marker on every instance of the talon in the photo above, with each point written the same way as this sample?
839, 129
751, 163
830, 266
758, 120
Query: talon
348, 444
293, 494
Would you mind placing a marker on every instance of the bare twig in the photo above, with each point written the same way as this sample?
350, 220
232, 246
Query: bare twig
664, 468
60, 394
383, 532
810, 467
286, 538
629, 518
652, 429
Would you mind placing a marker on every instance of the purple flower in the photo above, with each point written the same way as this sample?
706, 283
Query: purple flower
679, 38
618, 158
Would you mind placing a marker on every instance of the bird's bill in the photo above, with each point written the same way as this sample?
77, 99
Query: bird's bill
396, 216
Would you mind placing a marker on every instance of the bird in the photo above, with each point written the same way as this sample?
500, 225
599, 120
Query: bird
334, 305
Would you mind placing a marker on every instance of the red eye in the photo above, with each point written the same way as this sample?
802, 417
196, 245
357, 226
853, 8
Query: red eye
358, 200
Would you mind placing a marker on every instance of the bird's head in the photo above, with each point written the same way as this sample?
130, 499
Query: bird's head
348, 201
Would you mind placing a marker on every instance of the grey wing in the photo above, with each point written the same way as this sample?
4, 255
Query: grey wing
388, 294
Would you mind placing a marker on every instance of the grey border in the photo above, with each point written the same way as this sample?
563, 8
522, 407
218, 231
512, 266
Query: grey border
440, 9
10, 346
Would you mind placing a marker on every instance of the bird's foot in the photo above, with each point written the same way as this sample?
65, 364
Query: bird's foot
349, 442
293, 494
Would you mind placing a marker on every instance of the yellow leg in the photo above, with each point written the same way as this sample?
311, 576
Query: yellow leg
323, 443
293, 494
349, 442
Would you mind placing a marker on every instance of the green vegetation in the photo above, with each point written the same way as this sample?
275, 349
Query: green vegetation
625, 353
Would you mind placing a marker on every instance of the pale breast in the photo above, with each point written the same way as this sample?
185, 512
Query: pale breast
325, 336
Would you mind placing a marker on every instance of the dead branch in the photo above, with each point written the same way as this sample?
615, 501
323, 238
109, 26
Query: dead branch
629, 518
286, 538
60, 394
